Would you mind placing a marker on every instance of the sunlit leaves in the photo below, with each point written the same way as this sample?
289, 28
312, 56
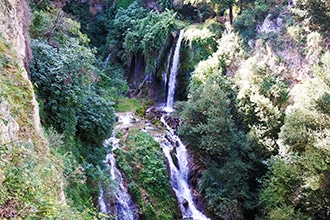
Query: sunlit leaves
228, 52
31, 184
56, 27
304, 140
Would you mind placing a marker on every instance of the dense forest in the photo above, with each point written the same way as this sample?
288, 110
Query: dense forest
252, 96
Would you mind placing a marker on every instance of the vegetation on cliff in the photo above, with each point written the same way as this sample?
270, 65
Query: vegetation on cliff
31, 170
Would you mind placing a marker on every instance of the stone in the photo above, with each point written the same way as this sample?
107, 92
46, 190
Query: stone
185, 203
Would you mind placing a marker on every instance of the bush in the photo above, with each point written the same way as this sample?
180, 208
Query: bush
60, 76
95, 119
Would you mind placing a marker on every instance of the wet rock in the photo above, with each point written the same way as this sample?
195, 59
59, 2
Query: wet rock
185, 203
154, 113
173, 122
174, 158
170, 139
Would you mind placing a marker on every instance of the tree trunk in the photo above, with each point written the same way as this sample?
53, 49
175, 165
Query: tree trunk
231, 14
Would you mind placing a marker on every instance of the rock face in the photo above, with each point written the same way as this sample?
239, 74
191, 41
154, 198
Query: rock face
14, 28
271, 24
14, 25
8, 126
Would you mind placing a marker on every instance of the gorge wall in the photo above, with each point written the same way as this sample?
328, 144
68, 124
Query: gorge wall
31, 180
18, 107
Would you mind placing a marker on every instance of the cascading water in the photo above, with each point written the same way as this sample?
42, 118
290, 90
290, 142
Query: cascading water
179, 175
121, 205
173, 74
106, 61
167, 69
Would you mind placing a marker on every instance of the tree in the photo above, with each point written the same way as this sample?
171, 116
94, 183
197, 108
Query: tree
60, 76
227, 4
210, 131
299, 176
208, 126
317, 12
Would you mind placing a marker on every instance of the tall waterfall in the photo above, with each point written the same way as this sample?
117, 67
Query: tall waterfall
173, 74
121, 204
179, 175
169, 56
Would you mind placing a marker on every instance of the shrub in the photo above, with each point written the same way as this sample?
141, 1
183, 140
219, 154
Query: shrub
95, 119
60, 76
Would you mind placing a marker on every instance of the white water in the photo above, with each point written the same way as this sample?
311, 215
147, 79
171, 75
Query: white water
179, 176
173, 74
106, 61
123, 207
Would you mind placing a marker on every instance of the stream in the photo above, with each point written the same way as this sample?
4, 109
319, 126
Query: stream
120, 204
179, 174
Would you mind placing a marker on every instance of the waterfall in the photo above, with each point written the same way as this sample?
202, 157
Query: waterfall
121, 205
179, 175
173, 74
167, 69
106, 61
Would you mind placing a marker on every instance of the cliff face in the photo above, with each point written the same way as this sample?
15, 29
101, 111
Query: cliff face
19, 111
31, 180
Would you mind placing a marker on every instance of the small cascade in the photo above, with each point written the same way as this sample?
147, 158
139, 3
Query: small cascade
179, 175
106, 61
121, 204
173, 74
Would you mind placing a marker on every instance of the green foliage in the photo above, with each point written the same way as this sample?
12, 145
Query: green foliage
149, 35
226, 194
124, 4
247, 21
323, 103
137, 30
60, 76
207, 118
96, 26
316, 12
124, 104
112, 82
32, 185
56, 27
143, 165
209, 129
261, 100
202, 42
95, 119
299, 178
63, 71
165, 4
228, 52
